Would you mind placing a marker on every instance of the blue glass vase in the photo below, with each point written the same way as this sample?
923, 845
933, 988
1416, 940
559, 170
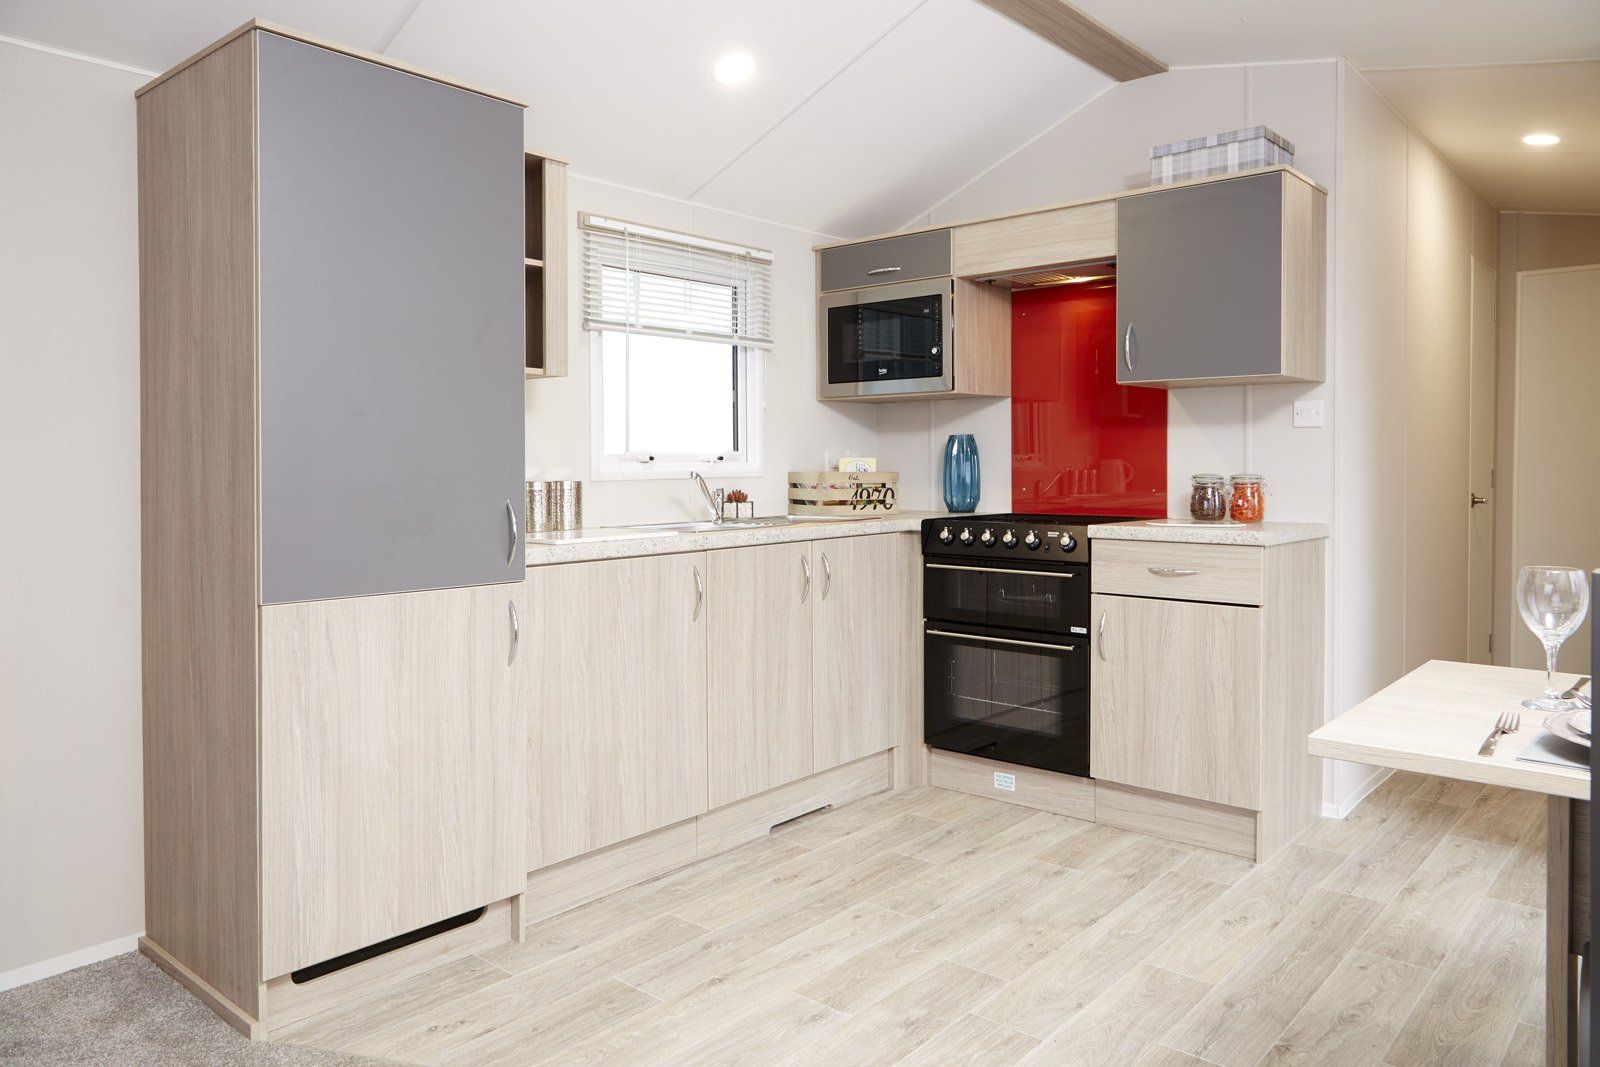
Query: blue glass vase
961, 483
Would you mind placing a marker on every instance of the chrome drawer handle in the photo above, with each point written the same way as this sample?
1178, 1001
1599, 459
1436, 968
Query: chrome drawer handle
516, 630
1128, 356
1100, 635
1002, 640
1000, 570
827, 575
699, 595
805, 567
1173, 572
511, 513
883, 270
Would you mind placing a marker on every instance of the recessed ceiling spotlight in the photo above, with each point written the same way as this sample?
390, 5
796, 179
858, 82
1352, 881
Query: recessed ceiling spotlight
1541, 140
733, 68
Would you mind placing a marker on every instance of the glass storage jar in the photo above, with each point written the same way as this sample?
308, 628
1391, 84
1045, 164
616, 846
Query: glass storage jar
1248, 504
1208, 499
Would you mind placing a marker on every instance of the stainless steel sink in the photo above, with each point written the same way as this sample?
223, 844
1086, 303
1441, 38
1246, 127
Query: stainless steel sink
706, 524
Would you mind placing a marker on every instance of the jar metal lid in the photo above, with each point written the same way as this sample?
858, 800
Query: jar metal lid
1247, 477
1206, 478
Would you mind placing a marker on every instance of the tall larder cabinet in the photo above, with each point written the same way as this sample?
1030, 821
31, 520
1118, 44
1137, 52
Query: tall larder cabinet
332, 446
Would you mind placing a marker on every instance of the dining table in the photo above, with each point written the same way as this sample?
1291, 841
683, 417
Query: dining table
1434, 721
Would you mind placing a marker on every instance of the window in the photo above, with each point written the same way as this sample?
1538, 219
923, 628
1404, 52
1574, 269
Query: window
679, 326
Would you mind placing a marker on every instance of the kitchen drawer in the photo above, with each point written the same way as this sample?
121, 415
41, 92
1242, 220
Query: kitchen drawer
1225, 574
893, 259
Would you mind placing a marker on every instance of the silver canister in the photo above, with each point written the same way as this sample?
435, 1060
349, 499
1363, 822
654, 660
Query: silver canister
555, 506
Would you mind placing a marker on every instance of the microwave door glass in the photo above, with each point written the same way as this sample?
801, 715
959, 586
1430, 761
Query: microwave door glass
886, 340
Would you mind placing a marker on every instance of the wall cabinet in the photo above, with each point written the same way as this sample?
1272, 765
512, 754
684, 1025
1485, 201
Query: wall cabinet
1222, 282
759, 729
1206, 681
392, 777
867, 645
617, 731
331, 428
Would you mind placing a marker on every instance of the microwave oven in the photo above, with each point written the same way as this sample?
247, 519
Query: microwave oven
887, 340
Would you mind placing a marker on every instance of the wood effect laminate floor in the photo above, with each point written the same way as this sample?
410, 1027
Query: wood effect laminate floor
932, 927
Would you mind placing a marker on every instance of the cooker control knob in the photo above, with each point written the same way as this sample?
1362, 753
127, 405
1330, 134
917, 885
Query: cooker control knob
966, 536
1069, 543
1009, 539
945, 536
1032, 540
987, 538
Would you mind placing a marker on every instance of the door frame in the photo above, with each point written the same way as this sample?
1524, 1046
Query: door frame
1508, 574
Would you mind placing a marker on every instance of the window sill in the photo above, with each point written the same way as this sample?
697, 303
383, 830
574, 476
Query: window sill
618, 472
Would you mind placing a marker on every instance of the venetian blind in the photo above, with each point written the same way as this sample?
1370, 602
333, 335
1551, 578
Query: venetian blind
643, 280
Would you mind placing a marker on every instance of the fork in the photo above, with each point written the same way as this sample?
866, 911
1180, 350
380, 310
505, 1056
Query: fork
1508, 723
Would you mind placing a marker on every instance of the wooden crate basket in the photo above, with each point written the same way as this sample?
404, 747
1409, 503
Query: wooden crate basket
843, 494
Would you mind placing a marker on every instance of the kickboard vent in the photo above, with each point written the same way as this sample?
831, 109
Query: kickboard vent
361, 955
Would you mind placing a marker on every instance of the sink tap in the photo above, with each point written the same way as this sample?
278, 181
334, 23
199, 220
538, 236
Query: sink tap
713, 496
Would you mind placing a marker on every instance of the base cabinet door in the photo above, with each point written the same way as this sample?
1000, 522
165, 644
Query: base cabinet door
393, 788
617, 728
867, 650
759, 731
1176, 698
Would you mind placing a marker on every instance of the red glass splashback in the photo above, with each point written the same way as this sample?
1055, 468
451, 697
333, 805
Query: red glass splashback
1080, 443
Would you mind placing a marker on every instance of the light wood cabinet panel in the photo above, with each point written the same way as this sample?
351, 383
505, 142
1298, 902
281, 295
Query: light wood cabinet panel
759, 700
867, 651
1176, 691
392, 774
1040, 239
617, 732
1231, 574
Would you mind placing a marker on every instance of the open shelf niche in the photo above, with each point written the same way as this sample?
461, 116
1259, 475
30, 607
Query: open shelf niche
544, 265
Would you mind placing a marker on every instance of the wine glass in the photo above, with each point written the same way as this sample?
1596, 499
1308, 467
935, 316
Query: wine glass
1554, 601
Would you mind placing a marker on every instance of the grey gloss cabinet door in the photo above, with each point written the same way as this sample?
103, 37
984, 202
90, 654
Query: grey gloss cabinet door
1199, 281
391, 311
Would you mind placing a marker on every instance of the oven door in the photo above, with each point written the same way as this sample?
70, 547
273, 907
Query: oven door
1008, 698
887, 339
1040, 601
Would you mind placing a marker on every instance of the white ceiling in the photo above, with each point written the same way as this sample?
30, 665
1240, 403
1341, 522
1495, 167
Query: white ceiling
865, 112
1369, 33
1476, 117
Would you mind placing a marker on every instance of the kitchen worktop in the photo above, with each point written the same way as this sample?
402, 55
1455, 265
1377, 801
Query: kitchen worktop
622, 541
1211, 533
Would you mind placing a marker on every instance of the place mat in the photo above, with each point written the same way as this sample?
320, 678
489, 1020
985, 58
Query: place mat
1548, 748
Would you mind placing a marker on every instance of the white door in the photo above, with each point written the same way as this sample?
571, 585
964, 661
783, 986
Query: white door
1556, 511
1480, 464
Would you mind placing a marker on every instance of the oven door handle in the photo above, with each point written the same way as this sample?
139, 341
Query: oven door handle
1001, 570
1003, 640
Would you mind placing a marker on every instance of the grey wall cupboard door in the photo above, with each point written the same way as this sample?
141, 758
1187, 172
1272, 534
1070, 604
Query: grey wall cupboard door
391, 310
1199, 281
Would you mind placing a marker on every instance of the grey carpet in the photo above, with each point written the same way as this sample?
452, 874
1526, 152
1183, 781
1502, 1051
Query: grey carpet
125, 1010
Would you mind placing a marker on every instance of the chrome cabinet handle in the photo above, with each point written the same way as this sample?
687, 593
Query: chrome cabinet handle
1000, 570
511, 513
805, 567
1100, 635
699, 594
884, 270
1128, 357
827, 575
516, 630
1173, 572
1476, 499
1002, 640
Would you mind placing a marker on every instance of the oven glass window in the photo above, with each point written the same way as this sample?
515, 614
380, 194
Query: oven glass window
886, 340
1043, 602
1017, 703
